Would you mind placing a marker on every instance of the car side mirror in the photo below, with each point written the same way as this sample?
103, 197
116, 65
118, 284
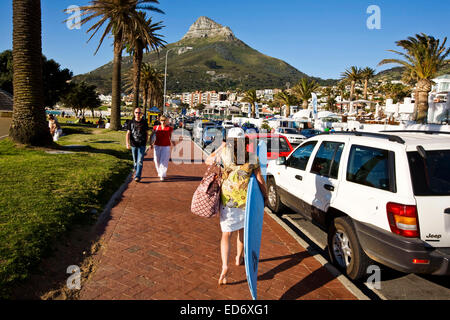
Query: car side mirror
281, 161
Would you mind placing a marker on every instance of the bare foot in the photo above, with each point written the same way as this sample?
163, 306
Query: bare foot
223, 276
239, 261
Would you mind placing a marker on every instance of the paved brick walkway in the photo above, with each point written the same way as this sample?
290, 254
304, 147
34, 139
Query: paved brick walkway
155, 248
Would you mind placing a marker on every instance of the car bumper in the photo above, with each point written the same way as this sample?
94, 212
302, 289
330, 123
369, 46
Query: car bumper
398, 252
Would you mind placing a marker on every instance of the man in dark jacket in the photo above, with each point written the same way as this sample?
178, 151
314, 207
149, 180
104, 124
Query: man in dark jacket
137, 138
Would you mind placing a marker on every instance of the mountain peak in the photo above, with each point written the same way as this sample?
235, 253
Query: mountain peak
205, 27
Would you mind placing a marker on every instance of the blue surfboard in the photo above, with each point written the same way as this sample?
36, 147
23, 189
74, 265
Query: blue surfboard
254, 214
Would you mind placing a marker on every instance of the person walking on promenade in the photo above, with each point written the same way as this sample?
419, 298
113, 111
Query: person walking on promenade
162, 141
236, 172
136, 140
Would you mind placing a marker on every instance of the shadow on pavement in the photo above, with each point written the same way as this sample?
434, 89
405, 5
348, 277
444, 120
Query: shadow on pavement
313, 281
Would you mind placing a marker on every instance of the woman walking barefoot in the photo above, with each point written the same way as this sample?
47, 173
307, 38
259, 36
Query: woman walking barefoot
236, 173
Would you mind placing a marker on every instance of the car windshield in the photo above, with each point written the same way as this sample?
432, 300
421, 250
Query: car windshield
289, 130
430, 175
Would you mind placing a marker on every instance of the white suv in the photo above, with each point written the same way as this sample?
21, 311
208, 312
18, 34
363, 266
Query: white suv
379, 196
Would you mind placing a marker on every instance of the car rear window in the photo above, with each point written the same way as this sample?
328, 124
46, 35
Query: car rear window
430, 176
372, 167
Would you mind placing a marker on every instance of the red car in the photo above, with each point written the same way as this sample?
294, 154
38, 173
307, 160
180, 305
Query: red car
277, 145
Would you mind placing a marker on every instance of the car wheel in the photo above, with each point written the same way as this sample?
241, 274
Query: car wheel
274, 202
345, 251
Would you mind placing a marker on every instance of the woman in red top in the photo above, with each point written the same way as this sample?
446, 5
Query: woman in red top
162, 140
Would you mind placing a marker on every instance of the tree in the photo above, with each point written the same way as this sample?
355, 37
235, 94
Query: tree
29, 125
80, 97
424, 57
395, 91
6, 71
119, 16
353, 76
303, 90
251, 97
287, 99
367, 74
152, 85
142, 37
55, 80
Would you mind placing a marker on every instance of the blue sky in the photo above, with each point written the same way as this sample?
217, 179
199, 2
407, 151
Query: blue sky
321, 38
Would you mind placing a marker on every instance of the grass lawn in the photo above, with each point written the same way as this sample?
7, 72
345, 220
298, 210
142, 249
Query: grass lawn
43, 196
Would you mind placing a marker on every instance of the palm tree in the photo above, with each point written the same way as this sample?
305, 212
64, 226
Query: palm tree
152, 85
119, 16
287, 99
367, 74
29, 125
352, 75
303, 90
142, 37
251, 97
424, 57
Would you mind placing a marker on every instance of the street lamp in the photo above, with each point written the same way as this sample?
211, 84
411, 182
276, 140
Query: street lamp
165, 81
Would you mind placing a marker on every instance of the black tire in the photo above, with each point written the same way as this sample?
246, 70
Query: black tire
274, 202
355, 262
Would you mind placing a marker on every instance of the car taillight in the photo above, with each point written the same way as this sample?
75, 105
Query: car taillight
403, 219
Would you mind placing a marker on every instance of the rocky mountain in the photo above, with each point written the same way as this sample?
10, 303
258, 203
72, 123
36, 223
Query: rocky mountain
207, 28
209, 57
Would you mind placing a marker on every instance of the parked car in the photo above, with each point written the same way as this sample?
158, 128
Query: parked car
198, 129
227, 124
188, 124
211, 134
308, 133
249, 128
380, 197
291, 134
277, 145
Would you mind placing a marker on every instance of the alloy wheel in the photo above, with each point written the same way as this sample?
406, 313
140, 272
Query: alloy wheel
342, 249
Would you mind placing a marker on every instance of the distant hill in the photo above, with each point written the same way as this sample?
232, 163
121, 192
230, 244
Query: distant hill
210, 57
396, 73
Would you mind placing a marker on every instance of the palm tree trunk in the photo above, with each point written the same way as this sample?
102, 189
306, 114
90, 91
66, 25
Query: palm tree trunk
29, 125
145, 94
352, 90
137, 63
116, 83
288, 110
253, 111
423, 89
366, 84
305, 104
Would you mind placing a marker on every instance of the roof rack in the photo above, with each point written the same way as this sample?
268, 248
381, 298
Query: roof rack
417, 131
390, 137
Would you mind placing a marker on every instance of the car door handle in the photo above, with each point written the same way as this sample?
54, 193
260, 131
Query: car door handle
329, 187
447, 211
298, 177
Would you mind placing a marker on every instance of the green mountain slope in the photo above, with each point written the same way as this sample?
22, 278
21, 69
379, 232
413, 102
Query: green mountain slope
396, 73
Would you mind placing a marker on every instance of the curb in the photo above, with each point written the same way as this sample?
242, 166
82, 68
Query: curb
335, 272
